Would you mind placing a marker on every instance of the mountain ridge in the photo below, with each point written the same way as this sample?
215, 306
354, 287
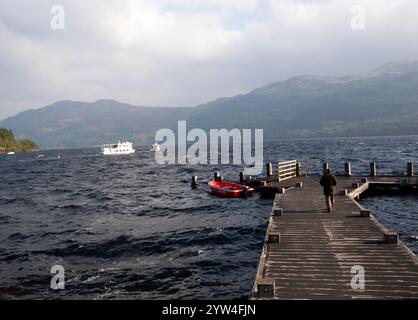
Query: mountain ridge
378, 102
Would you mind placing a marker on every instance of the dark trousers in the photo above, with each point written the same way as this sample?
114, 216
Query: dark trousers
330, 200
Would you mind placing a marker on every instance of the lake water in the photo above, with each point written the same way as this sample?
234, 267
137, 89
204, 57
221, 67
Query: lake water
127, 228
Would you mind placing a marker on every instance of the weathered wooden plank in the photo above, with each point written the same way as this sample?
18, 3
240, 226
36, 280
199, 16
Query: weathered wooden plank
316, 252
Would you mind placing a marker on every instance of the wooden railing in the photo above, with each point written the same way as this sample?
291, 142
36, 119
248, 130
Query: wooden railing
287, 170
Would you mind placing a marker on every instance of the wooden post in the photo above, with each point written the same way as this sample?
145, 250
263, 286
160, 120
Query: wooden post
241, 177
347, 166
410, 171
277, 212
265, 288
325, 167
274, 237
390, 237
343, 192
269, 167
373, 171
216, 175
195, 182
298, 169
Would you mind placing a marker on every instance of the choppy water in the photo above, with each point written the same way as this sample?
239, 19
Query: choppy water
124, 227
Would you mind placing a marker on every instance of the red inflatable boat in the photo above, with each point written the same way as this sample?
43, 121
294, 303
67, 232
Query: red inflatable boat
229, 189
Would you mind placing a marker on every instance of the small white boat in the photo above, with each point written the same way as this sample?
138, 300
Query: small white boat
155, 147
11, 153
119, 148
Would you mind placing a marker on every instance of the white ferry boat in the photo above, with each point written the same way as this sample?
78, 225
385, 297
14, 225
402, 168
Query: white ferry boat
120, 148
155, 147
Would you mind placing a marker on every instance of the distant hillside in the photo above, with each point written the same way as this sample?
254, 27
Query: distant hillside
82, 124
9, 144
383, 101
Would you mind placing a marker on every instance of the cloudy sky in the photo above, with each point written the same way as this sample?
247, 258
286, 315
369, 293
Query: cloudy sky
186, 52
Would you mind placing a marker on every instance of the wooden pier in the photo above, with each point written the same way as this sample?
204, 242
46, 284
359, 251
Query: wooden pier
312, 254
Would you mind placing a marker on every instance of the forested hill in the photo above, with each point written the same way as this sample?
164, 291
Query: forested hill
8, 143
383, 101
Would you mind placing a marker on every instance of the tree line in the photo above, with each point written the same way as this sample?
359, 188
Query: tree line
8, 143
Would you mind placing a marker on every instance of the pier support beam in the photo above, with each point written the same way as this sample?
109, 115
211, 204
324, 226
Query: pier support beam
410, 169
373, 170
347, 169
269, 168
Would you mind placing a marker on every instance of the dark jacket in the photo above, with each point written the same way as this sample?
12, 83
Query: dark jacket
329, 182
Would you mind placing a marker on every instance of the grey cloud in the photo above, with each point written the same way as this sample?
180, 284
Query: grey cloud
172, 54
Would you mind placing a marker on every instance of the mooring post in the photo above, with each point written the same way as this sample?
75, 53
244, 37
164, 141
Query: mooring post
391, 237
325, 167
274, 237
365, 213
241, 177
277, 212
373, 171
347, 167
343, 192
298, 169
195, 182
265, 288
410, 171
216, 175
269, 167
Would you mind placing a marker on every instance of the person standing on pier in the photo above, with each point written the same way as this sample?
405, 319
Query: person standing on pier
329, 182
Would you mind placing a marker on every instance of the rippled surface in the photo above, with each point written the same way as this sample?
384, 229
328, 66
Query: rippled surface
124, 227
399, 213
